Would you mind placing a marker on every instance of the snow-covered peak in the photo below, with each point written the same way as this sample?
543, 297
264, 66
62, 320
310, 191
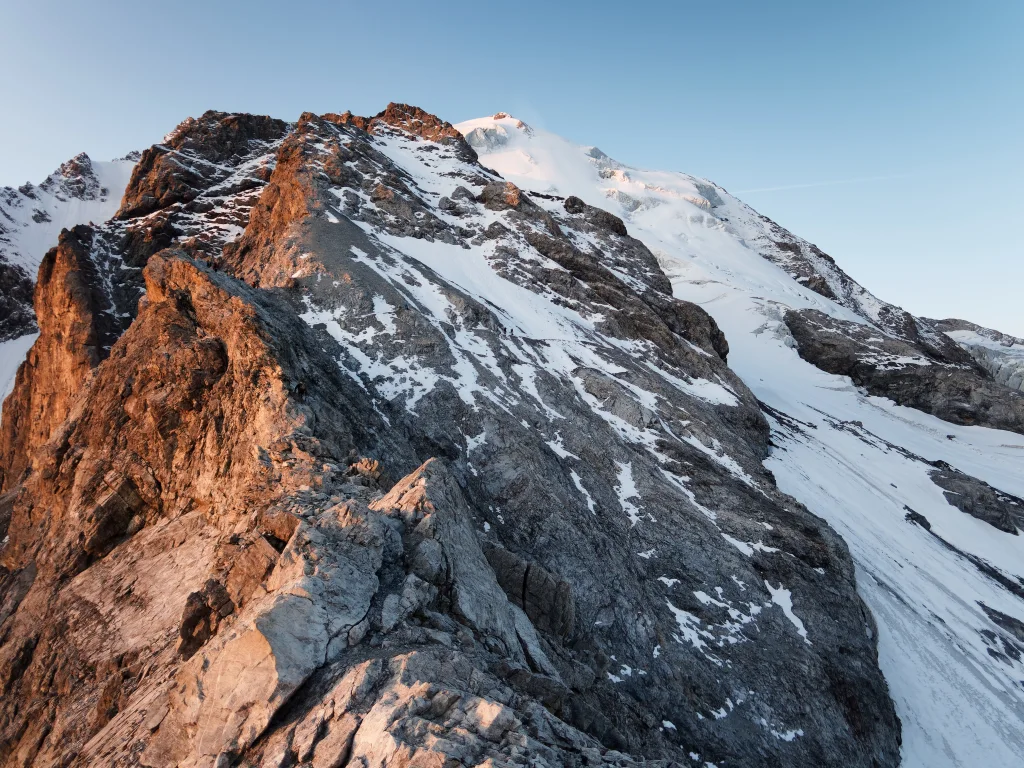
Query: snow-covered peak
80, 191
678, 213
546, 163
31, 218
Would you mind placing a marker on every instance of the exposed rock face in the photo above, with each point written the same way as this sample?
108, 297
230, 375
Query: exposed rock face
546, 598
409, 119
76, 328
417, 122
76, 179
439, 483
856, 460
943, 381
979, 499
377, 304
188, 436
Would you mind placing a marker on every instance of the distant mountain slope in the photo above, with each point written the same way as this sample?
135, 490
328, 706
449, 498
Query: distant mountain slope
999, 353
547, 163
32, 216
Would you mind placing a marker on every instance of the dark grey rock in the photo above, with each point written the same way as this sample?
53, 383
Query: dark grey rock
943, 381
597, 217
16, 315
546, 599
979, 499
917, 518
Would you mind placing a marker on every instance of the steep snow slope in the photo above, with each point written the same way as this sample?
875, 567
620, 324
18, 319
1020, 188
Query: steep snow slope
12, 352
948, 602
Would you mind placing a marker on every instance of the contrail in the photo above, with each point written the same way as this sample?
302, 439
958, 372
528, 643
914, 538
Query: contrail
824, 183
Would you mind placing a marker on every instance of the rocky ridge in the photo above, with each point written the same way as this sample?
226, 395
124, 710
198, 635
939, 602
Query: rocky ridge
419, 469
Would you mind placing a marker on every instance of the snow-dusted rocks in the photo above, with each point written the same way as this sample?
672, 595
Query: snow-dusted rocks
944, 382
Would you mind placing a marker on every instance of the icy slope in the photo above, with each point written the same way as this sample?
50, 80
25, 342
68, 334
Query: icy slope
948, 602
1000, 353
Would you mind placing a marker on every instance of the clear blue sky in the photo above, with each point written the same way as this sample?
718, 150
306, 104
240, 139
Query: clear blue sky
923, 99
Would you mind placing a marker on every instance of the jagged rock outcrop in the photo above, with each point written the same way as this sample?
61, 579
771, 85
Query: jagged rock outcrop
76, 328
411, 120
979, 499
200, 155
196, 191
945, 382
390, 481
208, 415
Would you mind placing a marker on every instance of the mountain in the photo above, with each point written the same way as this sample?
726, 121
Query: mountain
946, 594
381, 441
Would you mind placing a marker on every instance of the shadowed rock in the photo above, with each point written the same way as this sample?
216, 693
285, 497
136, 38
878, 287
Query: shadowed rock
944, 382
979, 499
